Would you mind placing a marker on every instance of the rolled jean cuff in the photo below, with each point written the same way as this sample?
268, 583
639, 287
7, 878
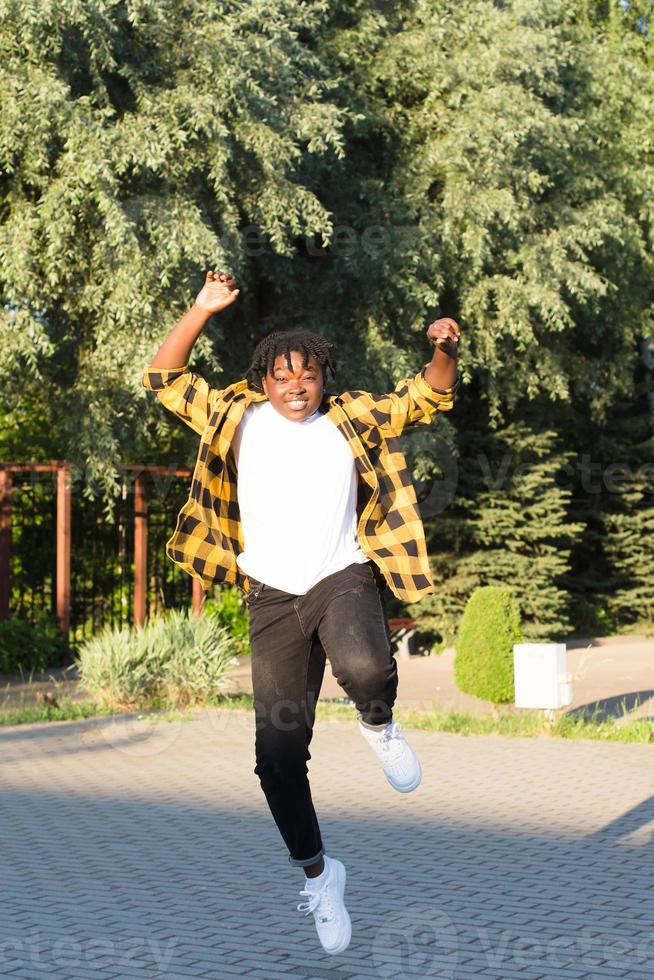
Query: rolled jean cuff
373, 728
305, 862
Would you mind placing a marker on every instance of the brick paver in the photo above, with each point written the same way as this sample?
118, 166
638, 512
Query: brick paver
133, 849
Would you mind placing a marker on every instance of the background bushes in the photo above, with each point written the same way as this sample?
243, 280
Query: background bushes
27, 646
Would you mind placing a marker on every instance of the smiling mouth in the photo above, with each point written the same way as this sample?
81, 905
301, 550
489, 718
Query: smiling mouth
297, 405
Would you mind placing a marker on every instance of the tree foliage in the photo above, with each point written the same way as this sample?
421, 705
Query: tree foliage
137, 140
360, 167
521, 153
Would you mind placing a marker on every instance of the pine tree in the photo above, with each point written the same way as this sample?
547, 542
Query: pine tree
629, 548
626, 450
517, 532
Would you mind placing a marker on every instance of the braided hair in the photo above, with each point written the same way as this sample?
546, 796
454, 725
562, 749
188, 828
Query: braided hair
283, 342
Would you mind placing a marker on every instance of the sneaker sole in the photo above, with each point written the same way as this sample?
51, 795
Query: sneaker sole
341, 878
410, 788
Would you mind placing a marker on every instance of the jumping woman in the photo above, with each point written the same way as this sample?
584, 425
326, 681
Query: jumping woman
303, 499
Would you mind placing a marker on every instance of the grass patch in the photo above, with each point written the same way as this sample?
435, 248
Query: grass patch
65, 710
526, 724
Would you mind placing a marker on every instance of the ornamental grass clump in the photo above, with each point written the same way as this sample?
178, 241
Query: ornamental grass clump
483, 663
178, 659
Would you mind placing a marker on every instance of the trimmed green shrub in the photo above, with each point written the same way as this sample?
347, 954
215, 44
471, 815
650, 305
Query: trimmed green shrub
230, 609
483, 663
30, 646
178, 658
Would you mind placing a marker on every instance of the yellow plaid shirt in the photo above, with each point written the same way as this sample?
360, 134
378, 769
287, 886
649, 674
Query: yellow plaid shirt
208, 536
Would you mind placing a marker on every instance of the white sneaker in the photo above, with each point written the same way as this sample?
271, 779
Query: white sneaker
327, 904
400, 763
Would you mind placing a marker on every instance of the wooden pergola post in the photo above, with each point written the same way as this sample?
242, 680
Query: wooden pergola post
5, 542
63, 547
140, 549
199, 596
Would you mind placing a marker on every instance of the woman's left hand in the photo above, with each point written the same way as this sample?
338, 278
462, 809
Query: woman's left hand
445, 334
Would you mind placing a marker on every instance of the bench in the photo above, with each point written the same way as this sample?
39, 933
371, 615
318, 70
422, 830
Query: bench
402, 630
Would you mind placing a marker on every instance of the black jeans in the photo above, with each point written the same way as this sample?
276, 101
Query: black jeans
343, 618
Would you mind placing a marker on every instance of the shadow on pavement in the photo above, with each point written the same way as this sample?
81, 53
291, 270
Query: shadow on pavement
627, 823
102, 886
614, 707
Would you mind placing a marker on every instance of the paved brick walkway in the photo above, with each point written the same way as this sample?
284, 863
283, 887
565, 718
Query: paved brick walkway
129, 849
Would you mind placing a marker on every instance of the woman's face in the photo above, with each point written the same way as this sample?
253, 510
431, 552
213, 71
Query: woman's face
295, 394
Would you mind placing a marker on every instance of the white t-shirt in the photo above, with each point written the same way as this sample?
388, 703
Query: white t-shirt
297, 494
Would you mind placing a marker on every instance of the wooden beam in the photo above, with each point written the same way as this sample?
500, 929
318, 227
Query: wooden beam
199, 596
63, 547
5, 542
140, 549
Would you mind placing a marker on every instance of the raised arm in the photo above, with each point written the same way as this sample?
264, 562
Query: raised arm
415, 400
444, 334
218, 292
184, 393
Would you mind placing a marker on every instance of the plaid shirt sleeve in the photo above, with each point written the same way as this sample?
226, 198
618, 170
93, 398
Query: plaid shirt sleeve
413, 402
184, 393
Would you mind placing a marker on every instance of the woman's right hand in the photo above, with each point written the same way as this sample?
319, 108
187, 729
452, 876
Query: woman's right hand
218, 292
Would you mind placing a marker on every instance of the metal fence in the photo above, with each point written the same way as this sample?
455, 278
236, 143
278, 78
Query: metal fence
60, 555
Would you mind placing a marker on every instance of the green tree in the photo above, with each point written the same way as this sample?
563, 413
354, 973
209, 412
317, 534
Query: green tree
512, 143
630, 549
512, 528
361, 168
521, 157
137, 141
626, 525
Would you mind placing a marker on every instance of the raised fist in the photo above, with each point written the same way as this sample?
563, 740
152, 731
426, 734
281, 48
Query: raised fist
445, 333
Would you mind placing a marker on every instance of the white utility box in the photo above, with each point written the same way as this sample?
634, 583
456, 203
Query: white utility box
541, 676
